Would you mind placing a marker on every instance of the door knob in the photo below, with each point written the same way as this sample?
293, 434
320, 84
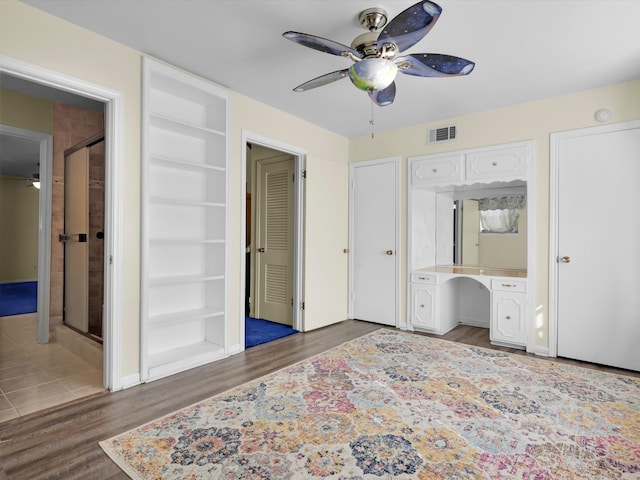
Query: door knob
566, 259
389, 252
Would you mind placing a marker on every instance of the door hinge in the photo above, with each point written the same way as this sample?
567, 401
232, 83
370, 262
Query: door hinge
302, 305
110, 259
304, 174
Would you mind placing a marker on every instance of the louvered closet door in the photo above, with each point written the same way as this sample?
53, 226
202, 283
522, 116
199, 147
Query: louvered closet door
275, 234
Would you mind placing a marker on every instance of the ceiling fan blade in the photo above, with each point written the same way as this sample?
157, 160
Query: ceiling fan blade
384, 97
322, 80
321, 44
433, 65
410, 26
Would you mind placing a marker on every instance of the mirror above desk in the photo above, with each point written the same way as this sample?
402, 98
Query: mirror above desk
490, 227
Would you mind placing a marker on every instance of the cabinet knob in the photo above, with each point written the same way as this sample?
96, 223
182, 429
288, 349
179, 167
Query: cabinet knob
261, 250
422, 305
435, 170
508, 317
389, 252
495, 164
566, 259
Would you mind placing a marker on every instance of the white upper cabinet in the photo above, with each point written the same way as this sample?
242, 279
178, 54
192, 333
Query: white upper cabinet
184, 217
438, 170
498, 163
510, 161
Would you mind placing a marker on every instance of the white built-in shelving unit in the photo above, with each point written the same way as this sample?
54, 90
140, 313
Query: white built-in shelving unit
184, 218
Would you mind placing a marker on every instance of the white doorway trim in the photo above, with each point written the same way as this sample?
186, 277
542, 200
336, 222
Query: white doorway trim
298, 222
114, 118
398, 250
44, 223
554, 224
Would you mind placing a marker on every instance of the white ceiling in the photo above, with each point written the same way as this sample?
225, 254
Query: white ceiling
523, 49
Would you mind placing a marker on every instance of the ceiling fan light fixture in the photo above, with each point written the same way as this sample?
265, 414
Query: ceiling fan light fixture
373, 74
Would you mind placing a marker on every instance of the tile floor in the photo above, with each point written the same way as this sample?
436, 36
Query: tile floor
34, 377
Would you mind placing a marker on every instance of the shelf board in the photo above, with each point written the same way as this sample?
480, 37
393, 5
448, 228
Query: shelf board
183, 358
167, 162
184, 316
182, 279
185, 203
177, 242
178, 126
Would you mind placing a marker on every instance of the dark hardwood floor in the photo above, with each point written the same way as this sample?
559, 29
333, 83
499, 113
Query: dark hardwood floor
62, 442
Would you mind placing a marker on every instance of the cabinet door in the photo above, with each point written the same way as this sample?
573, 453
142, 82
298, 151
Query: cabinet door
423, 306
437, 170
511, 162
508, 318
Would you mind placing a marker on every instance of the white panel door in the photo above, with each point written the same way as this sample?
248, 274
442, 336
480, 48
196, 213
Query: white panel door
598, 312
275, 241
76, 247
374, 207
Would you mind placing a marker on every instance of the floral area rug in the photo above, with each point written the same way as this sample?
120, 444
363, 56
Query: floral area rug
398, 405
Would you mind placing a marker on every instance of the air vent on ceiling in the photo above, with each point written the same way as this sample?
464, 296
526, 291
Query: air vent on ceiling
441, 134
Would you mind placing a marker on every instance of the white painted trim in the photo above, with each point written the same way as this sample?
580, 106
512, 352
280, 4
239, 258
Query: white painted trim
298, 213
114, 118
130, 381
531, 250
235, 348
554, 224
398, 247
45, 141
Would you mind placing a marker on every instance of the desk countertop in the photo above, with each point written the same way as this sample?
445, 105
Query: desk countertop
486, 271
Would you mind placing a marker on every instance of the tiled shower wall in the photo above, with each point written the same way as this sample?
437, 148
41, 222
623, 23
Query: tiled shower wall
71, 125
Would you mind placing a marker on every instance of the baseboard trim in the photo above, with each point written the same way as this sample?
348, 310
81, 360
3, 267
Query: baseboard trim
129, 381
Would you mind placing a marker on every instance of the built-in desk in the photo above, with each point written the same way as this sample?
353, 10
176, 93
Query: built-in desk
444, 296
481, 271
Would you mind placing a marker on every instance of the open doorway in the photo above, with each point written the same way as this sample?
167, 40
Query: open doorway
24, 80
273, 236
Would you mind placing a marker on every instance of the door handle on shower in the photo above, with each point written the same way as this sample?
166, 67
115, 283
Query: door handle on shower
75, 237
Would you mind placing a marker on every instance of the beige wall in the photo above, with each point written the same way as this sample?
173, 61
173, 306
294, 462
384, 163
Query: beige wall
529, 121
24, 111
18, 230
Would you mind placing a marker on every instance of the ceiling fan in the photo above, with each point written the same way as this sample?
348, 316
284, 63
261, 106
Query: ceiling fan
376, 54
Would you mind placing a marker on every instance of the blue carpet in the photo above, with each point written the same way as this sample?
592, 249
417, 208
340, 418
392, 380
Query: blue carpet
257, 331
18, 298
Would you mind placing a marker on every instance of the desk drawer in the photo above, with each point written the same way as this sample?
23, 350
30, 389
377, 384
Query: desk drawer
428, 278
509, 285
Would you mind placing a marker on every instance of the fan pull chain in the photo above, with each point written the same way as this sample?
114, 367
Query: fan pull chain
372, 122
